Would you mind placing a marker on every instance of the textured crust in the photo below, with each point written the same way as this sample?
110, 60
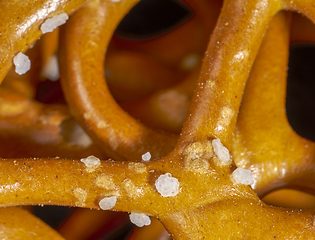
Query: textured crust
209, 204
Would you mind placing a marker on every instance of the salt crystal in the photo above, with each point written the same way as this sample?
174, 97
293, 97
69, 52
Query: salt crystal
79, 137
167, 185
22, 63
91, 161
190, 61
146, 156
243, 176
221, 151
51, 68
108, 202
140, 219
50, 24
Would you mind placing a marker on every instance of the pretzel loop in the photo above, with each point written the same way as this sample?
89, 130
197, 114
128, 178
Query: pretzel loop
83, 45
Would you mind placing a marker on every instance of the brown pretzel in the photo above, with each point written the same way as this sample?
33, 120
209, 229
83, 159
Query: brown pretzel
82, 56
264, 140
209, 204
17, 223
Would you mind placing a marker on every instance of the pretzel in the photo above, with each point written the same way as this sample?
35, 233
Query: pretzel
46, 127
136, 81
209, 204
86, 100
18, 223
43, 126
89, 223
165, 109
270, 124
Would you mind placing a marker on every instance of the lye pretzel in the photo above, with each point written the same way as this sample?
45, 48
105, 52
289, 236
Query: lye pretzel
235, 145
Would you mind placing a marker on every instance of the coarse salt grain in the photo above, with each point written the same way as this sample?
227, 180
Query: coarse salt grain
91, 161
146, 156
167, 185
50, 24
22, 63
243, 176
108, 202
140, 219
221, 151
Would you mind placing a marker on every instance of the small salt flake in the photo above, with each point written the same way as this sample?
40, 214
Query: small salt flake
221, 151
91, 161
79, 137
243, 176
108, 202
190, 61
51, 68
167, 185
22, 63
146, 156
52, 23
140, 219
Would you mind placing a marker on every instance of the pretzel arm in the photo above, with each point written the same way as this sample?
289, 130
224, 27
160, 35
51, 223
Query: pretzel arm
228, 60
21, 27
17, 223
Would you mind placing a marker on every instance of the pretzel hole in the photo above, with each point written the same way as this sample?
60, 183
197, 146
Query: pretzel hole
50, 92
290, 198
52, 215
152, 18
55, 216
300, 102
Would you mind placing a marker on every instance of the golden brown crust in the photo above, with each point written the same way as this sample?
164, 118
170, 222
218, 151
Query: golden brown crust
210, 204
16, 223
83, 45
20, 26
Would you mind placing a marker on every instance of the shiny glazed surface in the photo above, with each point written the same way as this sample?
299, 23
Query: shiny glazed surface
248, 45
